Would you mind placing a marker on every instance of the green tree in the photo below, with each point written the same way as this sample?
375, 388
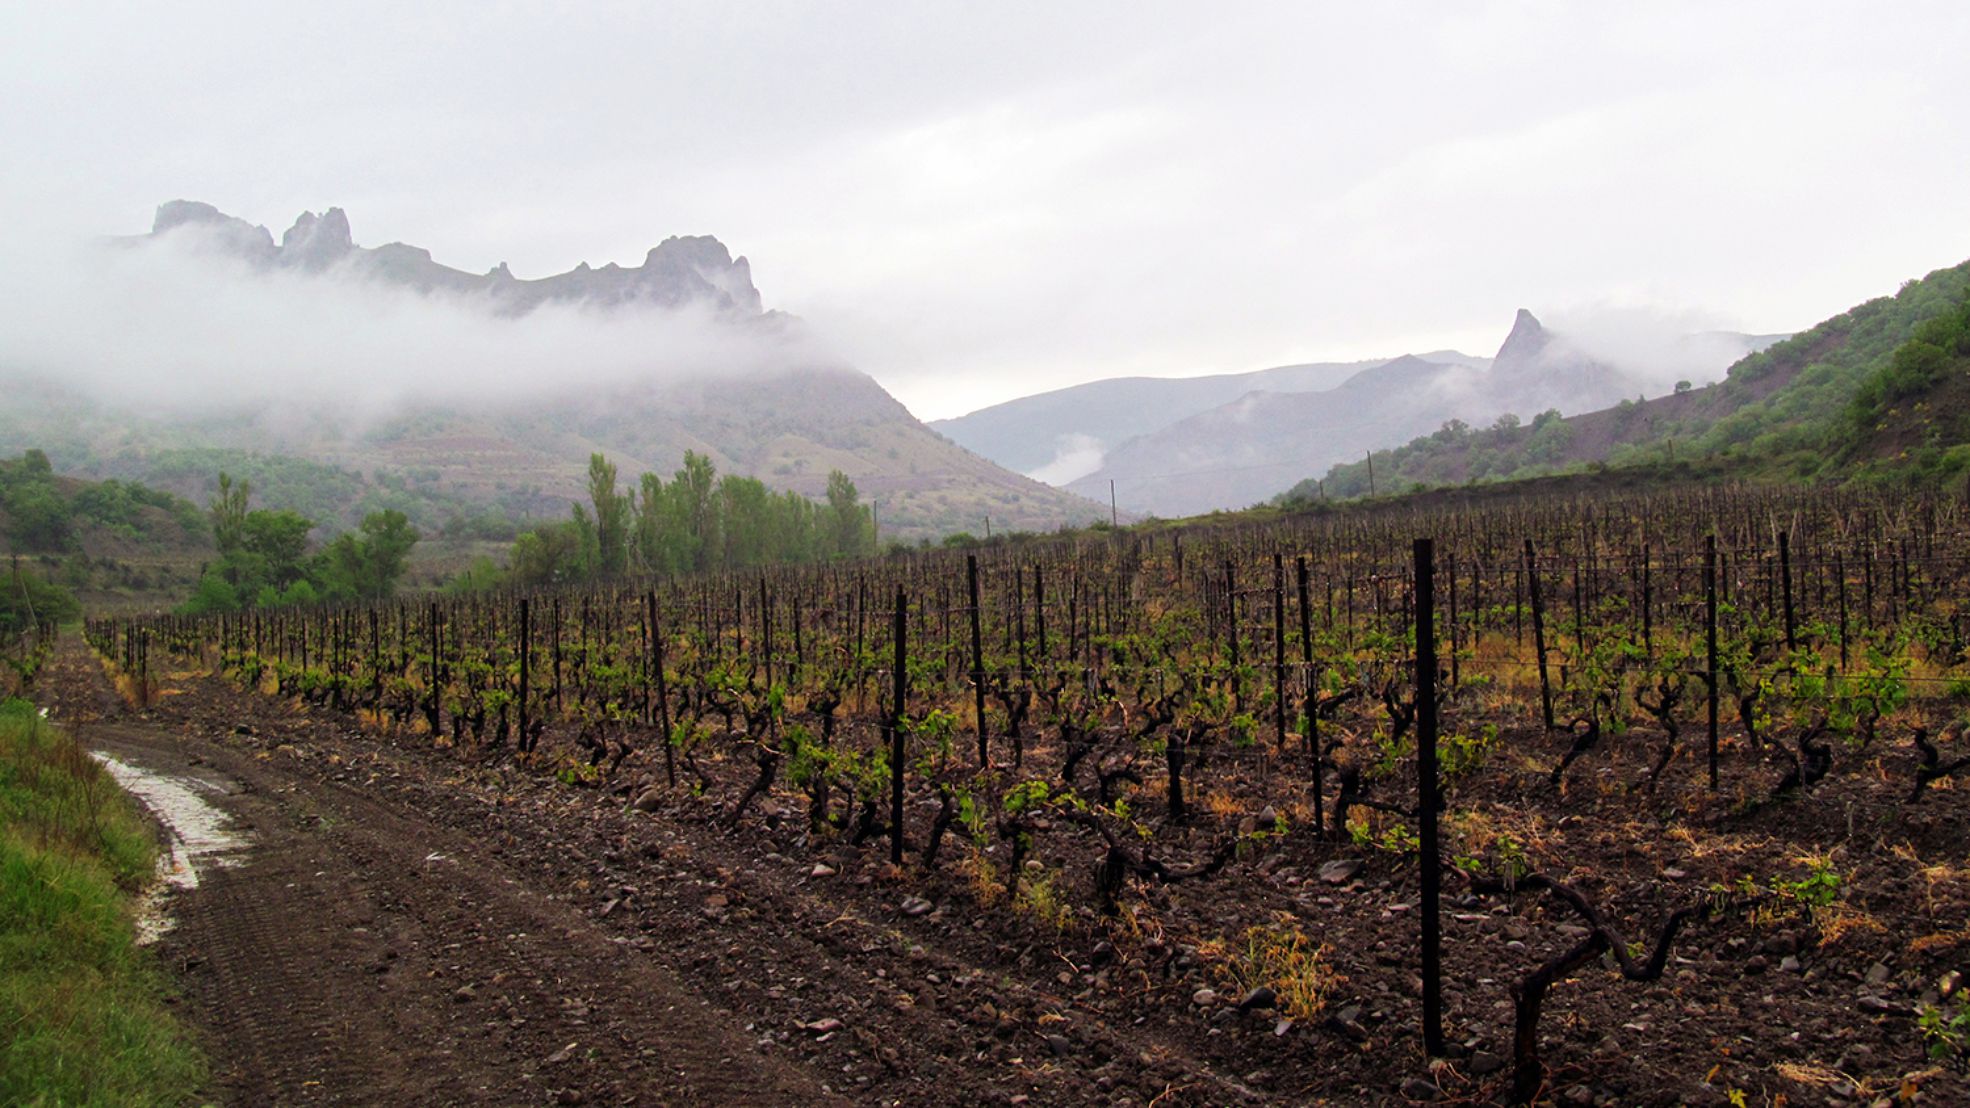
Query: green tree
611, 517
229, 513
546, 555
280, 538
587, 545
483, 575
26, 600
213, 594
40, 519
851, 531
368, 562
745, 524
652, 554
695, 486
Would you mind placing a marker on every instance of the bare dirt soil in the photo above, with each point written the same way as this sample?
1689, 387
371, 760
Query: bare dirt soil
414, 924
362, 953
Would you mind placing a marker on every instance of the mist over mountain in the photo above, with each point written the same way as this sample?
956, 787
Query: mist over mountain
1263, 442
1879, 391
1062, 435
208, 335
680, 271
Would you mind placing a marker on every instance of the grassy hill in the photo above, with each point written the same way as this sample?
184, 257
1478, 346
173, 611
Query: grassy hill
491, 425
115, 544
478, 473
1881, 390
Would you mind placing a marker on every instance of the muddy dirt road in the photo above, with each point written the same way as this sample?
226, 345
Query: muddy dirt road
406, 926
410, 922
354, 951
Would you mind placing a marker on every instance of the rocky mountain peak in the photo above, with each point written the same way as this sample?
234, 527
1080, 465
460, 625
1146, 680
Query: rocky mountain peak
1527, 341
317, 241
235, 233
177, 213
682, 269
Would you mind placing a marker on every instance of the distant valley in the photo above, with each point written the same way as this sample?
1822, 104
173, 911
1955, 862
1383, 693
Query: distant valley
1182, 446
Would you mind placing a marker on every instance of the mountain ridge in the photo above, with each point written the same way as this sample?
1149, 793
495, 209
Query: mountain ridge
1260, 445
1857, 393
789, 420
1028, 433
681, 269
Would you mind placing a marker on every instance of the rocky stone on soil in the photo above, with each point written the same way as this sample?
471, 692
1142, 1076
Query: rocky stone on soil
1261, 996
1419, 1088
1340, 871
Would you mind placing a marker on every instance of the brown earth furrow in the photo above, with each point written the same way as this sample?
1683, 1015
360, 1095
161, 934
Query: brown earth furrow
360, 953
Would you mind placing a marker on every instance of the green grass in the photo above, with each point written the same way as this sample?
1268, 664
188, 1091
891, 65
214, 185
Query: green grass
82, 1019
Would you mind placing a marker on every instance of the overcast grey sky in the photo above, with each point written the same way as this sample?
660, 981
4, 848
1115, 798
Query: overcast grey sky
982, 200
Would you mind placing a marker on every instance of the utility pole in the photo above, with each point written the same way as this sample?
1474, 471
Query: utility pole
1370, 455
1112, 514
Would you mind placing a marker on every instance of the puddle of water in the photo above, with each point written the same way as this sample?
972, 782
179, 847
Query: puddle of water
199, 835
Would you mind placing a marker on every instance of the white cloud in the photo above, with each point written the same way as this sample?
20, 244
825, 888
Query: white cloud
175, 323
982, 201
1075, 456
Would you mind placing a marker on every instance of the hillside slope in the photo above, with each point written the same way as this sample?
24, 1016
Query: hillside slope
1259, 445
1229, 456
115, 544
1038, 432
460, 452
1788, 410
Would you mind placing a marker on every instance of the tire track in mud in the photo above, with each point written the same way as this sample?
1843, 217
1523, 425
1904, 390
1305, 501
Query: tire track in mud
474, 921
357, 952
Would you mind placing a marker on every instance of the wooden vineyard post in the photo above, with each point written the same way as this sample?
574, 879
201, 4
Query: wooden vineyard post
799, 652
525, 742
1840, 572
1019, 615
766, 629
431, 695
663, 701
1426, 797
1710, 643
977, 658
900, 629
1539, 635
1456, 673
1312, 688
1040, 612
1279, 647
1648, 607
1867, 585
1231, 632
1785, 573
